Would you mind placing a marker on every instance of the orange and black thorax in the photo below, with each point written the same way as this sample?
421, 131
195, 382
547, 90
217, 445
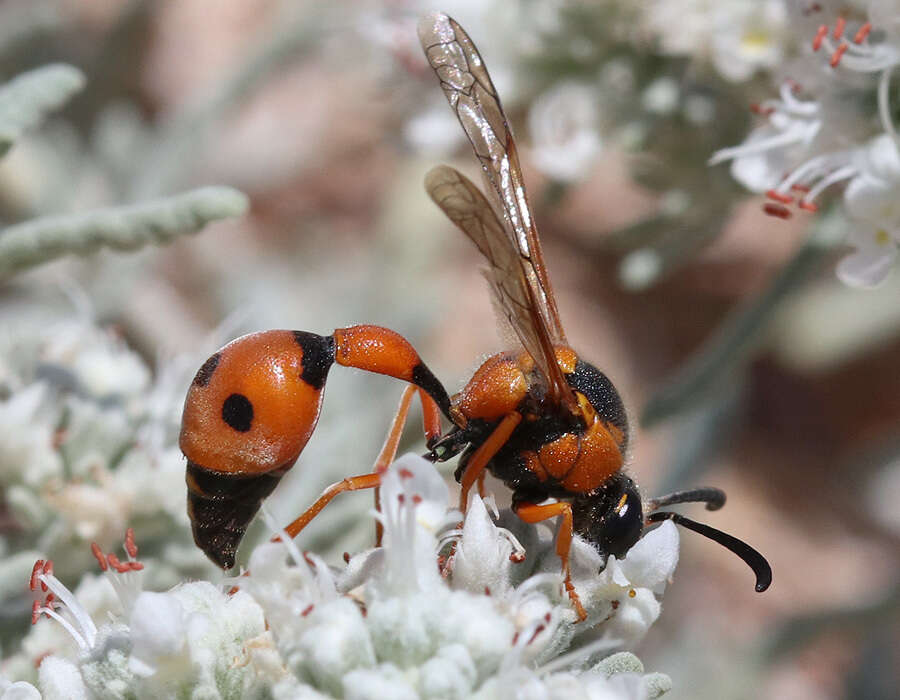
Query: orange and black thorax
553, 452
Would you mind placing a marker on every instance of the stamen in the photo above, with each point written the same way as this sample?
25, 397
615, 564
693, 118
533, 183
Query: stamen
81, 616
777, 210
839, 27
863, 32
779, 197
762, 111
844, 173
79, 639
98, 555
130, 545
838, 54
820, 36
35, 571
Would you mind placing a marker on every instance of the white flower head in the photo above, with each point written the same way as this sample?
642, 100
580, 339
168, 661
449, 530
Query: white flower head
739, 37
748, 37
565, 131
877, 250
293, 627
414, 513
760, 162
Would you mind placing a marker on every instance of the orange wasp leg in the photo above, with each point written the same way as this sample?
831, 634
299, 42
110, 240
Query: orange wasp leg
532, 513
351, 483
385, 457
476, 466
432, 420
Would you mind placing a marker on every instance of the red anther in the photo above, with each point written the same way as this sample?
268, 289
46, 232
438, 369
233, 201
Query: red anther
48, 567
130, 546
405, 473
134, 565
417, 499
777, 210
779, 196
98, 555
346, 557
819, 37
49, 599
757, 108
517, 557
307, 610
838, 54
614, 604
35, 611
839, 26
862, 33
487, 590
401, 498
116, 564
35, 571
799, 188
807, 205
515, 638
547, 618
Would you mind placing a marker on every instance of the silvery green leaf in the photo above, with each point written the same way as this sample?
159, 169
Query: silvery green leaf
120, 228
25, 99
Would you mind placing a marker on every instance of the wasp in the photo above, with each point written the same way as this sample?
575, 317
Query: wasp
544, 421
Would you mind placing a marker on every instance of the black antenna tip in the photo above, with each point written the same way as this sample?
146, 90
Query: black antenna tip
752, 558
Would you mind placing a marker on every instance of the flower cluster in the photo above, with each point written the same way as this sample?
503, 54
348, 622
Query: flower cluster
813, 137
395, 621
89, 448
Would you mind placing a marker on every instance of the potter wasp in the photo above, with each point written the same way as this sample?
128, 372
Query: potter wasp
547, 423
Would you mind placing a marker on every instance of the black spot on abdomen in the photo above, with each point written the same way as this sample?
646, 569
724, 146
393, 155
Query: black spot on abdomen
205, 373
237, 411
318, 356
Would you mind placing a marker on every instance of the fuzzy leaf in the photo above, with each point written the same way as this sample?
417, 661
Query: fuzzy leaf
25, 99
121, 228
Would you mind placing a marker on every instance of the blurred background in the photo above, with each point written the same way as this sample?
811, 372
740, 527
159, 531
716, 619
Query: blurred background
744, 361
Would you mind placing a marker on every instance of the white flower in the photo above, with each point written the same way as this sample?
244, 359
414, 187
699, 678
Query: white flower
747, 37
27, 453
284, 629
875, 255
768, 151
19, 690
564, 127
626, 591
739, 37
872, 203
60, 680
157, 626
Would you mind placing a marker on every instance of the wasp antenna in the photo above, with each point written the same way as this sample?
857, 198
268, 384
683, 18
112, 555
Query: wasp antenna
713, 498
751, 557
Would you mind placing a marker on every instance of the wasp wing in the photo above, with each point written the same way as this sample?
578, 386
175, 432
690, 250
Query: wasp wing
471, 93
466, 206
